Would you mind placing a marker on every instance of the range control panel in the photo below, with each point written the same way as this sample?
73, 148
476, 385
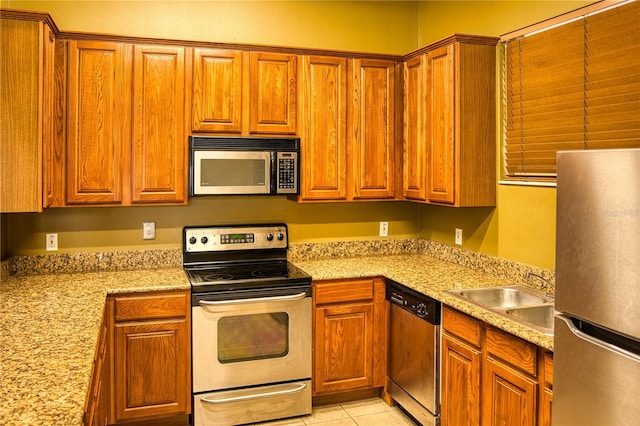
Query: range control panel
214, 238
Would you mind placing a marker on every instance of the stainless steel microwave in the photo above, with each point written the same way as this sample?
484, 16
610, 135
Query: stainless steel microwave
243, 166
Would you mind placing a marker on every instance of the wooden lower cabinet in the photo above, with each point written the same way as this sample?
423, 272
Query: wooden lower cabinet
490, 377
546, 391
509, 397
151, 358
96, 410
350, 335
461, 373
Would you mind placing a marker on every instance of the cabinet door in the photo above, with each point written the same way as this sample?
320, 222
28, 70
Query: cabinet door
49, 127
27, 120
509, 397
99, 122
151, 369
440, 125
272, 93
546, 391
460, 383
217, 91
323, 129
158, 166
343, 347
372, 128
415, 151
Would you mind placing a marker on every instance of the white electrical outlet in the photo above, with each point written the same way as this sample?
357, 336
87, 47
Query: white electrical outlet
459, 236
384, 229
51, 242
148, 230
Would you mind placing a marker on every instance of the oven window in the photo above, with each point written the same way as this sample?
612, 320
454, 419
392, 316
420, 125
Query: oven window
253, 337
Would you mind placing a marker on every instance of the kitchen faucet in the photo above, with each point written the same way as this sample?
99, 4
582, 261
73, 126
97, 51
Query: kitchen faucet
528, 275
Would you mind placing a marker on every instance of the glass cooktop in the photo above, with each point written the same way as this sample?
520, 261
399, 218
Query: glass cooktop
246, 274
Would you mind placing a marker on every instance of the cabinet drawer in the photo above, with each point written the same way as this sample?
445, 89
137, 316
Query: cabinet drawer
511, 349
167, 305
461, 325
343, 291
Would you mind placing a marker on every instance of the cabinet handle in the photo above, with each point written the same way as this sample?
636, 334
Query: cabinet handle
298, 388
298, 296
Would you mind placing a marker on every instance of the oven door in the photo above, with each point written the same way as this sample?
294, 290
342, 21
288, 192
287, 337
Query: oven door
230, 172
257, 339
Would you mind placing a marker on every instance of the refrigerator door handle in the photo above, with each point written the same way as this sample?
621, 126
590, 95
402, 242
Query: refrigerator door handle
591, 339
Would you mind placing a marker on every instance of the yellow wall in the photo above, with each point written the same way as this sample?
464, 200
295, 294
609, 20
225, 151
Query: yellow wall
521, 228
114, 228
369, 26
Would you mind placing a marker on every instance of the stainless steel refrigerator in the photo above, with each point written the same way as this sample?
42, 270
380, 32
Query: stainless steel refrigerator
597, 328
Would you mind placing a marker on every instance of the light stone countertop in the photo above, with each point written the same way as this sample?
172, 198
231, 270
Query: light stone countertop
49, 326
49, 323
429, 276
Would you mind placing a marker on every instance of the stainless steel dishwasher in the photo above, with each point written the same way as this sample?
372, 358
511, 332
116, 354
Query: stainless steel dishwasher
414, 353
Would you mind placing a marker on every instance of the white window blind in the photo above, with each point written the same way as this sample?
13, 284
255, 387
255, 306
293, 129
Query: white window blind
570, 87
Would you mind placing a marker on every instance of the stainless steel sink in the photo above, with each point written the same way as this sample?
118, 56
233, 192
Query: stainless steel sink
502, 297
520, 303
537, 316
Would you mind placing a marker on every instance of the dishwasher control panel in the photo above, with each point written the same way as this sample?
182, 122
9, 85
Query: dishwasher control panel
414, 302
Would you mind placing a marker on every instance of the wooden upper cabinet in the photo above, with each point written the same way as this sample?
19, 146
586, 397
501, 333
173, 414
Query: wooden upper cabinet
158, 166
323, 128
347, 127
29, 124
217, 90
244, 93
99, 122
475, 123
372, 128
449, 134
126, 137
272, 93
414, 153
440, 118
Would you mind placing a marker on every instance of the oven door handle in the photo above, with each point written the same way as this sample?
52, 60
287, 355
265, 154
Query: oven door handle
297, 296
295, 389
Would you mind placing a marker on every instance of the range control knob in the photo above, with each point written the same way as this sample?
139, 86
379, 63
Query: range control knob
280, 236
204, 240
192, 240
269, 236
421, 310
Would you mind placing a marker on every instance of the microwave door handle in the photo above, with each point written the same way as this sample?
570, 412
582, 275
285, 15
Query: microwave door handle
292, 297
298, 388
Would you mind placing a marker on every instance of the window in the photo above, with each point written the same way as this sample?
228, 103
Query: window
571, 87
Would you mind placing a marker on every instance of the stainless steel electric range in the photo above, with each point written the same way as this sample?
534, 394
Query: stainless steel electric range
251, 324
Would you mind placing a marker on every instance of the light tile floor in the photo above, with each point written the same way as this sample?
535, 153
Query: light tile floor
368, 412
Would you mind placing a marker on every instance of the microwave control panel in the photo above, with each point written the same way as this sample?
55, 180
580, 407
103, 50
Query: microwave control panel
287, 172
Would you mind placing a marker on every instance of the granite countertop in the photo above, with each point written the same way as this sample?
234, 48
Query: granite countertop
49, 326
429, 276
49, 323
